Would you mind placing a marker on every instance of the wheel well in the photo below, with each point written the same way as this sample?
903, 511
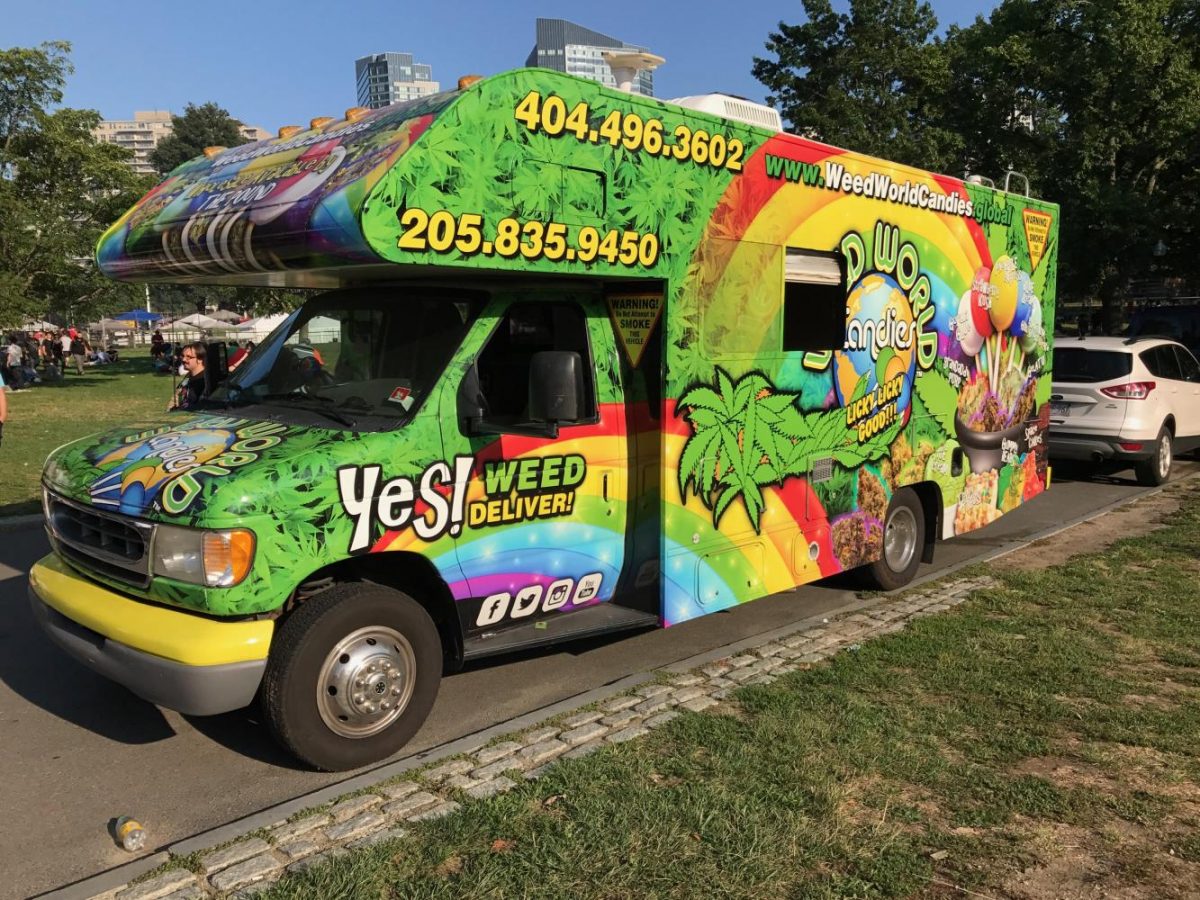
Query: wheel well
1169, 424
407, 572
930, 496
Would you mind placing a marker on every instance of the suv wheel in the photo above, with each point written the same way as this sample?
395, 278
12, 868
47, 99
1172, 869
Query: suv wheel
1157, 469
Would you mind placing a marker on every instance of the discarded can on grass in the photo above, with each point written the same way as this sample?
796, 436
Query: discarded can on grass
130, 834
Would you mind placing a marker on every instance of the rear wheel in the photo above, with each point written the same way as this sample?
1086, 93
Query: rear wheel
903, 540
1157, 469
351, 676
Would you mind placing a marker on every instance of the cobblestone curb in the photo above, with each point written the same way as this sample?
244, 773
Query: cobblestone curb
382, 812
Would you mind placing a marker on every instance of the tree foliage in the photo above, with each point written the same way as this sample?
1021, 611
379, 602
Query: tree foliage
868, 78
1097, 102
207, 125
59, 190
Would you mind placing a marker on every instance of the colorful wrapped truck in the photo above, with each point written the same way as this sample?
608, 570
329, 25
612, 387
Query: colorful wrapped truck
585, 361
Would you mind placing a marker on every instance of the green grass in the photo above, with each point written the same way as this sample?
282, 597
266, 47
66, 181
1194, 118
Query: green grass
49, 415
1054, 717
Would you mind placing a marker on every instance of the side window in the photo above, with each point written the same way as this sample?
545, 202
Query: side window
814, 301
527, 329
1161, 362
1188, 365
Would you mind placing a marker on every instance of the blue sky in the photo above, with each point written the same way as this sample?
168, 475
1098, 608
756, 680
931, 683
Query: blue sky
272, 63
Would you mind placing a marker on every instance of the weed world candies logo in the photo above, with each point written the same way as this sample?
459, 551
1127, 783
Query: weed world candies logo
887, 314
166, 466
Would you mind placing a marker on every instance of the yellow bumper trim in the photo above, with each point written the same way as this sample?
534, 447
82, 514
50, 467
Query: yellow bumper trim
172, 634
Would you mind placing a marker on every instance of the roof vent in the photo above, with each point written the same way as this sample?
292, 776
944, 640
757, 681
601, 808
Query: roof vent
737, 109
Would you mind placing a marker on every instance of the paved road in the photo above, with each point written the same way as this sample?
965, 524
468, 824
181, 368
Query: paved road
76, 750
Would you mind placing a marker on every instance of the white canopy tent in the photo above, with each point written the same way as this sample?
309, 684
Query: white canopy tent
257, 329
201, 321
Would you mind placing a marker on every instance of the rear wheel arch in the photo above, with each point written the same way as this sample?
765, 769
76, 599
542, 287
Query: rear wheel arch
930, 496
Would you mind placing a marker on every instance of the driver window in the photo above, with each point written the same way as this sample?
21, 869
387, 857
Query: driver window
526, 329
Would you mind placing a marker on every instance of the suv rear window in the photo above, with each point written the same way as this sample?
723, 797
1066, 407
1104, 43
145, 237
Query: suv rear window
1077, 364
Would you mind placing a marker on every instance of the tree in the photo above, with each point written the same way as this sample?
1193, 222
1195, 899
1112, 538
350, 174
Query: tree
59, 190
869, 79
207, 125
1110, 95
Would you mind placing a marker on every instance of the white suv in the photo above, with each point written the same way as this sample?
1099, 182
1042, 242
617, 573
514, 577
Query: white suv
1119, 402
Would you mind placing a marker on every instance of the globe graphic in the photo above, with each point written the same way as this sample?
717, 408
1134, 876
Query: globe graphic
878, 313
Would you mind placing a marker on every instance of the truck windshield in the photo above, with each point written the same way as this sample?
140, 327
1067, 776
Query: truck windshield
364, 358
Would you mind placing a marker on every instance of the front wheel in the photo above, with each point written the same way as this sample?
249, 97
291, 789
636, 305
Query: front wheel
351, 676
903, 540
1157, 469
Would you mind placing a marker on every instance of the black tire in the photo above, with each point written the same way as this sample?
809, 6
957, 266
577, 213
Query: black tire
1157, 469
389, 632
905, 523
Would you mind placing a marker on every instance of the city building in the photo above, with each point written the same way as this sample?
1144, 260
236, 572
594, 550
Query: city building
254, 133
387, 78
567, 47
141, 135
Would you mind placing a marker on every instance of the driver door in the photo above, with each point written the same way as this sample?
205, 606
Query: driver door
544, 531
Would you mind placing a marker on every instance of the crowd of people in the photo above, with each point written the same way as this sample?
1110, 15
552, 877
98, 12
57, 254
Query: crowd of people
29, 358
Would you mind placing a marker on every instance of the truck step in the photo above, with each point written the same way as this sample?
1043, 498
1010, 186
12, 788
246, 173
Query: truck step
599, 619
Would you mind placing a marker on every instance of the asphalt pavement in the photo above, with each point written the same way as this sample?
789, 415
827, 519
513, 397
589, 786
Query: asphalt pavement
78, 750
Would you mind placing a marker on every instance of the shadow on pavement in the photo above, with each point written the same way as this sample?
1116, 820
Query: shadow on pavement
35, 669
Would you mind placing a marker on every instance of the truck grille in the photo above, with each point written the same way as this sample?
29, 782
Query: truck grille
107, 544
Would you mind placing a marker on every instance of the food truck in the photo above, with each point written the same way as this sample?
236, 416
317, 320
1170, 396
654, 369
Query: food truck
583, 361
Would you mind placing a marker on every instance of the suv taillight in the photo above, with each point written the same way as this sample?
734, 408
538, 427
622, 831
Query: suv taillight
1133, 390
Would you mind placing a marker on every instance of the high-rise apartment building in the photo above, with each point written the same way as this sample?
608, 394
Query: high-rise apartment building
567, 47
253, 132
387, 78
141, 135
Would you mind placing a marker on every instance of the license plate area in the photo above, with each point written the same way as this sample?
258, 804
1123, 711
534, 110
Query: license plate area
1060, 410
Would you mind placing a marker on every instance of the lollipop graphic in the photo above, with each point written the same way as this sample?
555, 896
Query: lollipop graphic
981, 301
969, 337
1004, 285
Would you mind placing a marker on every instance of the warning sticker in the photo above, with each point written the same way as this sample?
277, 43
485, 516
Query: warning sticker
1037, 230
403, 396
634, 317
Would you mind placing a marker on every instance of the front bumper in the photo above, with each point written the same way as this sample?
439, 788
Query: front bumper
1095, 448
190, 663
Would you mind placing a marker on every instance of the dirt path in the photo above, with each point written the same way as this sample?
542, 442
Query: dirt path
1140, 517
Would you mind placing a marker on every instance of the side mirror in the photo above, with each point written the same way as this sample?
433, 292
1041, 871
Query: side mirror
555, 386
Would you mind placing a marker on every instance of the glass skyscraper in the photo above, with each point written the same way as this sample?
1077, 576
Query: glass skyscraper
567, 47
387, 78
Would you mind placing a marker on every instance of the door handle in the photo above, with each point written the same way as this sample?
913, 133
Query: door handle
604, 487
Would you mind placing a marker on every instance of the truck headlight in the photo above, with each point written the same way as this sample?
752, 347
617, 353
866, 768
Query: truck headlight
212, 558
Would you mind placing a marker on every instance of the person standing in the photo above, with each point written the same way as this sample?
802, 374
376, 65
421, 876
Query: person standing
64, 350
193, 388
3, 407
78, 353
12, 362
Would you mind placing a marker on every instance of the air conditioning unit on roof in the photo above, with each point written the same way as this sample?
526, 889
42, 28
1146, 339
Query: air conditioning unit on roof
736, 108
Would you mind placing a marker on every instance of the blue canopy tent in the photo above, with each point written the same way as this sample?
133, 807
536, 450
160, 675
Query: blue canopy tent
137, 315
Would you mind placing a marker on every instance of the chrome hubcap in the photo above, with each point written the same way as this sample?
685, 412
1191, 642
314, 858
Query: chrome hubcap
900, 539
1164, 456
366, 682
